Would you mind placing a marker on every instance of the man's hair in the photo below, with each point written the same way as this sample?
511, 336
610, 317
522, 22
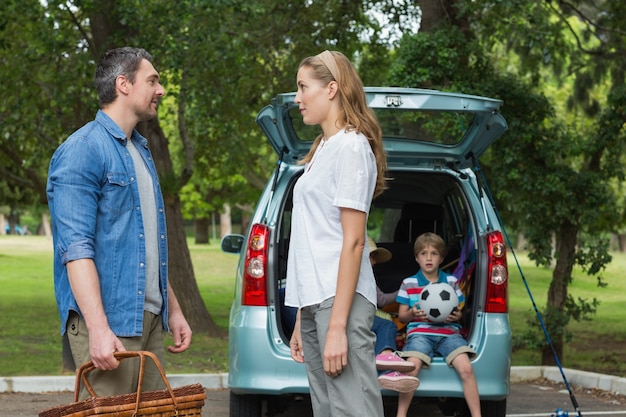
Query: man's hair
430, 239
120, 61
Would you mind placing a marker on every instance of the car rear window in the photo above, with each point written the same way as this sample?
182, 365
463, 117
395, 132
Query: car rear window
444, 128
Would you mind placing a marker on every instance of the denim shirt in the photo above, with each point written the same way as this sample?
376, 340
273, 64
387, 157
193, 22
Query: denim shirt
95, 211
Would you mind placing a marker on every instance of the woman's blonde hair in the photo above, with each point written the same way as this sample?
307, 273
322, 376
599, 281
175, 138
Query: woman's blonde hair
355, 114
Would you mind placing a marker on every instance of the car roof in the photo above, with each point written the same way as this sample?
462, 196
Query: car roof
419, 126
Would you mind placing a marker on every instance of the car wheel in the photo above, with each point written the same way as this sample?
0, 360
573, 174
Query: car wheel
493, 408
245, 405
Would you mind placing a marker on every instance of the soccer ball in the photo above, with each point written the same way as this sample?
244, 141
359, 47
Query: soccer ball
438, 300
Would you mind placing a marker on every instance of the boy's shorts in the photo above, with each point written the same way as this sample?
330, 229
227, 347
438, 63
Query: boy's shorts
425, 347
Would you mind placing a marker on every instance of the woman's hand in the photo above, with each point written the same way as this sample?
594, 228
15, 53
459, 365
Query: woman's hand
295, 344
335, 352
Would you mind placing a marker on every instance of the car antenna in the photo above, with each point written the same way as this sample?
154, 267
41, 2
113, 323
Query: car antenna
281, 155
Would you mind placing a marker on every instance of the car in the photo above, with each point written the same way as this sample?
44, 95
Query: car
433, 141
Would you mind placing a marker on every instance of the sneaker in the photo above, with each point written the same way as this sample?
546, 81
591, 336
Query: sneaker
393, 362
397, 381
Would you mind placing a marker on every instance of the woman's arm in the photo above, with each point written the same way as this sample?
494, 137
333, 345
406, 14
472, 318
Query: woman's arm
336, 349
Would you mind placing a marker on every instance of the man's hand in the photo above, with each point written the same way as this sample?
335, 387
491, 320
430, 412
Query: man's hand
102, 345
181, 331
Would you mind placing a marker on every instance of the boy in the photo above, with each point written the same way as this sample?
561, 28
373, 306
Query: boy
425, 339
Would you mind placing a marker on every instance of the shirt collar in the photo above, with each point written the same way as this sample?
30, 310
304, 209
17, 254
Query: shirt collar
115, 131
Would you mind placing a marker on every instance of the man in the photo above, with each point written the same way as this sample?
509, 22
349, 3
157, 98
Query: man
108, 227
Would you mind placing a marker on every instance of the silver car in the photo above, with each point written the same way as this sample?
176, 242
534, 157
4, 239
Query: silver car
433, 141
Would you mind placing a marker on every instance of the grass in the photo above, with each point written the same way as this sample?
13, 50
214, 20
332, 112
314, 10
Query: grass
597, 344
29, 323
29, 320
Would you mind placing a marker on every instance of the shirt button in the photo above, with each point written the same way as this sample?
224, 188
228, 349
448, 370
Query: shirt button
141, 235
139, 292
141, 264
132, 179
162, 237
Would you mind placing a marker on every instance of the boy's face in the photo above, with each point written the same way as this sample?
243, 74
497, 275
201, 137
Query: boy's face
429, 259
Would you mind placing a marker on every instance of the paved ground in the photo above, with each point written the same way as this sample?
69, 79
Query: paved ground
528, 399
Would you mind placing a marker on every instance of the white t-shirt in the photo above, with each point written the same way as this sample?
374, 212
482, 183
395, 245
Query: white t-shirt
341, 174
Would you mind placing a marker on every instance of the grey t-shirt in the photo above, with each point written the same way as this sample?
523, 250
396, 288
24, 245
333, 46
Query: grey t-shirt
154, 301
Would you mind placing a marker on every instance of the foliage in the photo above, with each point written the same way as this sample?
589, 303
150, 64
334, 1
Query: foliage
554, 179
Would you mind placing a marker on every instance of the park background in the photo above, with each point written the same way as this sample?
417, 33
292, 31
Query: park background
556, 175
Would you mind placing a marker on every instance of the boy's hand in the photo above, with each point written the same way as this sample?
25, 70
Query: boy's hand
455, 316
418, 314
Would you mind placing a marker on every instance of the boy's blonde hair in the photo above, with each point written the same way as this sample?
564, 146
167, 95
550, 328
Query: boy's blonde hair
430, 239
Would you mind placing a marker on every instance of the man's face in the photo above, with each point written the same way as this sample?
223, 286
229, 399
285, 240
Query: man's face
146, 92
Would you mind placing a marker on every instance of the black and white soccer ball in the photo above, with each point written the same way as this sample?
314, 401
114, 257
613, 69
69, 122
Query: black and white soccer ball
438, 300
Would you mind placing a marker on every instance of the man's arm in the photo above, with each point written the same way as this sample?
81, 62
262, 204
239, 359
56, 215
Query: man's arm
85, 284
181, 331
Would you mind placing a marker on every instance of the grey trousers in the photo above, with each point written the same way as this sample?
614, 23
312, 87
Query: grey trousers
356, 391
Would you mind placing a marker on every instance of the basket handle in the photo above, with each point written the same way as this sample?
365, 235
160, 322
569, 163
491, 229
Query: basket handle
81, 375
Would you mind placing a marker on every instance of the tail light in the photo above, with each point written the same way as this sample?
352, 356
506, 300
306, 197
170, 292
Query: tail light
254, 287
497, 274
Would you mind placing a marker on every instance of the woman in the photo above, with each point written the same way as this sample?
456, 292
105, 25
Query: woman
329, 276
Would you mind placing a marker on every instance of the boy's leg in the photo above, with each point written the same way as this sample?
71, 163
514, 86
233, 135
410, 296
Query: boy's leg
457, 354
385, 348
405, 398
464, 368
414, 352
386, 331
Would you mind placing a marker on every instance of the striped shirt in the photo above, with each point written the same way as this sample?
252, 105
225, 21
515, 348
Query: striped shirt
409, 294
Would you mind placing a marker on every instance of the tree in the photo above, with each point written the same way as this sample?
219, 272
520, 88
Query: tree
578, 165
221, 62
553, 179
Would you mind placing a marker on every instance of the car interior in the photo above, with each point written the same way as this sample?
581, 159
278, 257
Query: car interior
415, 202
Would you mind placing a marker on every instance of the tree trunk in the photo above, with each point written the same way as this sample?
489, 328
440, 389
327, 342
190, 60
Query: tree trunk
46, 228
436, 14
556, 320
621, 238
181, 273
226, 227
433, 14
108, 30
201, 229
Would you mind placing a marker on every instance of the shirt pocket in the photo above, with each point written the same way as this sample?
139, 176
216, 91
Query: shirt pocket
118, 194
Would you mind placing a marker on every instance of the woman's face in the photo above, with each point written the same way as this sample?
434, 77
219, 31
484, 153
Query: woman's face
312, 97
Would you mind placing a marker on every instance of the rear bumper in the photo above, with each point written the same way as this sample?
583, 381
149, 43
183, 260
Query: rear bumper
260, 364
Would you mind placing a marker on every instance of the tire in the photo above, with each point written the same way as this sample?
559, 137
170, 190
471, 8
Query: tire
245, 405
493, 408
457, 407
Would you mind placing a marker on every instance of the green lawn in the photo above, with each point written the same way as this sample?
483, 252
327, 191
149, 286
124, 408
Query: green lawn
29, 324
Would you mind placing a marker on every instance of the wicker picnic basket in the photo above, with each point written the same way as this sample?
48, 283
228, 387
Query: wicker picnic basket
187, 400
